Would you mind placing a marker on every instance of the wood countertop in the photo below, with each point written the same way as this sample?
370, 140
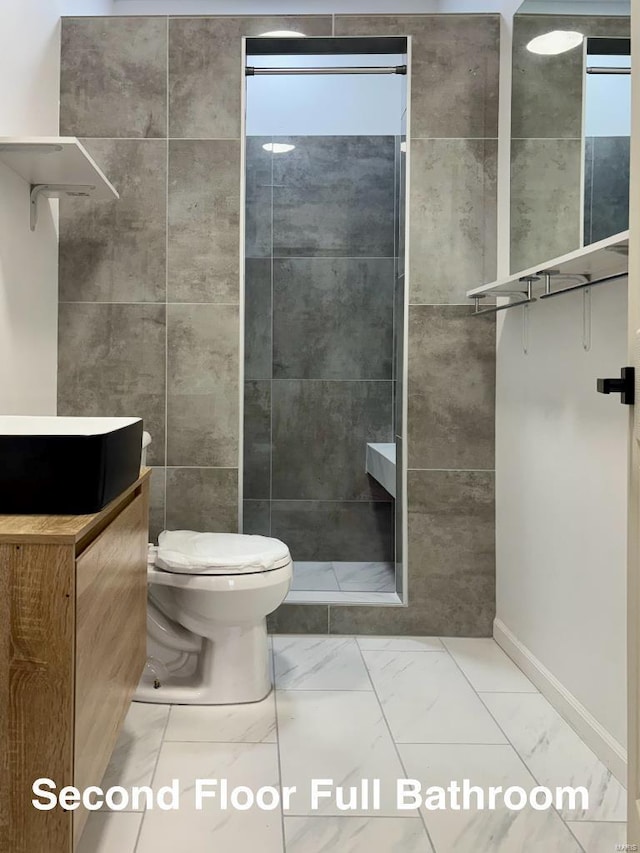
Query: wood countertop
64, 529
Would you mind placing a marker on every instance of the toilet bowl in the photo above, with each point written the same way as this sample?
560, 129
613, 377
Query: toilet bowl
208, 598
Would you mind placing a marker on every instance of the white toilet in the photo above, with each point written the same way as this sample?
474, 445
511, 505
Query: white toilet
209, 595
208, 599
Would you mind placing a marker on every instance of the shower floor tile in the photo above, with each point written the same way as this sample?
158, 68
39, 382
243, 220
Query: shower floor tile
348, 708
343, 577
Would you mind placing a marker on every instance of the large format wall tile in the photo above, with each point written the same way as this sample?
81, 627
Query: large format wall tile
114, 251
204, 220
256, 517
299, 619
545, 199
111, 363
451, 517
334, 196
464, 607
203, 499
113, 77
205, 69
202, 385
347, 531
258, 323
257, 440
320, 433
548, 90
610, 188
157, 503
451, 391
258, 227
333, 318
453, 201
454, 82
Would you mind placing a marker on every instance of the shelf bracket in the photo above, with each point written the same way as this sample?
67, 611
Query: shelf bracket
525, 297
54, 191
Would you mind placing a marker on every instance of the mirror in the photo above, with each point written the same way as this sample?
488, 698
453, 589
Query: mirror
570, 126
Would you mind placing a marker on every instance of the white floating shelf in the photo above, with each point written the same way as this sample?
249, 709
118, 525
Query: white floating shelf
55, 166
589, 265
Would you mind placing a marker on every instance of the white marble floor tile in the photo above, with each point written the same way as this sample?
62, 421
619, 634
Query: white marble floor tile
134, 758
365, 577
251, 723
355, 835
600, 837
212, 828
319, 663
484, 831
339, 735
555, 754
400, 644
426, 699
110, 833
314, 576
487, 667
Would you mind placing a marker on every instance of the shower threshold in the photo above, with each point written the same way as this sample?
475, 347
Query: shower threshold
343, 583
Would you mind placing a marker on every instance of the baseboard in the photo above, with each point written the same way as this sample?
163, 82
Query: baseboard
612, 754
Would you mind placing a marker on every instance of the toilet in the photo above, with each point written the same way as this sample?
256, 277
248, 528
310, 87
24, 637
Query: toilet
208, 598
209, 595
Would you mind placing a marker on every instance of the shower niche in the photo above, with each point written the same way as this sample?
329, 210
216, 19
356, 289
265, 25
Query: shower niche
325, 165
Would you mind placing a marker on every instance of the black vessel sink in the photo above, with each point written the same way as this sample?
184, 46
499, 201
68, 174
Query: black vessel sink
66, 466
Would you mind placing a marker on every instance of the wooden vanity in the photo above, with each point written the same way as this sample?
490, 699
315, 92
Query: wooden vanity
73, 592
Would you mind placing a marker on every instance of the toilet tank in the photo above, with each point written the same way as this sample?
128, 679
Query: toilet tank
146, 441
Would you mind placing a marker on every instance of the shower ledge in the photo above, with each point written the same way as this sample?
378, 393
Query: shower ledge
381, 465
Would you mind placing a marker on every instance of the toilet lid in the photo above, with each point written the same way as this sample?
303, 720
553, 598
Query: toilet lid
189, 552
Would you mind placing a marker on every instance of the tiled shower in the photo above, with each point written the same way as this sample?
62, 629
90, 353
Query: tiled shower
319, 336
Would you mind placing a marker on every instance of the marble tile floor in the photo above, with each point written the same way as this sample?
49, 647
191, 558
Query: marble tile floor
343, 577
349, 708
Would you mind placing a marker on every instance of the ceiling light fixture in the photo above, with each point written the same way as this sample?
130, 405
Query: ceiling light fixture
555, 42
278, 147
282, 34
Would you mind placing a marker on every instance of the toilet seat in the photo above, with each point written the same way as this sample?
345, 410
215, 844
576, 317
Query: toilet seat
187, 552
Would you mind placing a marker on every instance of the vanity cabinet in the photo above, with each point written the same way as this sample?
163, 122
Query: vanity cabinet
73, 593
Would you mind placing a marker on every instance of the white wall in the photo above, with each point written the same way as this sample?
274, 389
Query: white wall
298, 7
29, 68
561, 499
325, 105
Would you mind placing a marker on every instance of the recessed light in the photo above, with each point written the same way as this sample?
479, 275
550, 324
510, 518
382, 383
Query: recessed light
555, 42
282, 34
278, 147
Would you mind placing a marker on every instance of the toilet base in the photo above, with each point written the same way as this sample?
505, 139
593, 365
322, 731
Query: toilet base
233, 667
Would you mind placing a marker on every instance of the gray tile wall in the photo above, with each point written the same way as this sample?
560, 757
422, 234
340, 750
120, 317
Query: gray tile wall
606, 195
149, 285
319, 343
546, 130
117, 298
449, 437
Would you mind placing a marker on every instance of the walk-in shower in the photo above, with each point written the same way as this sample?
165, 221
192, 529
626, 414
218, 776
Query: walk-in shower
324, 308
